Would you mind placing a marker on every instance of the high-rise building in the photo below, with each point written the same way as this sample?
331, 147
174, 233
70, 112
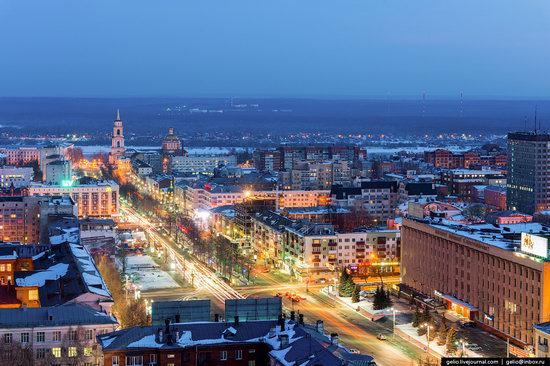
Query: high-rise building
117, 141
528, 185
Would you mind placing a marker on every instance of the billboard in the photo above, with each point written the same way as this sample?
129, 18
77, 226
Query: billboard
267, 308
188, 311
533, 244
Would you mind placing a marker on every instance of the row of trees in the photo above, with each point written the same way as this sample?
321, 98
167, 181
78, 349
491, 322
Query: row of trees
382, 299
347, 288
446, 336
128, 311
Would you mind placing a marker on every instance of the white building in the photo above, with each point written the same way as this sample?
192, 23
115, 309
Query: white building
58, 172
57, 334
197, 164
99, 199
302, 245
206, 197
18, 176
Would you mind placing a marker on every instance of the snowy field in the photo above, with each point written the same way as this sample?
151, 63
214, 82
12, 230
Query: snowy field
147, 275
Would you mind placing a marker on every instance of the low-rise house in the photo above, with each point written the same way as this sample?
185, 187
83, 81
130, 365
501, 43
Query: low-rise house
251, 343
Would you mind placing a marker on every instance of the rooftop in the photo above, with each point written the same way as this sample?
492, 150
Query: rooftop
306, 346
70, 314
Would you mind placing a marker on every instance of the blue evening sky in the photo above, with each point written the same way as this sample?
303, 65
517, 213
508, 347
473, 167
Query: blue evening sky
357, 48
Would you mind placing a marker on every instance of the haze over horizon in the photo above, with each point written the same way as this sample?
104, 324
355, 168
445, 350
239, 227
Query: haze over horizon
493, 49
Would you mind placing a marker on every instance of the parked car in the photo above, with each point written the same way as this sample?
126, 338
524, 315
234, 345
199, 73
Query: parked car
321, 280
468, 324
381, 337
355, 351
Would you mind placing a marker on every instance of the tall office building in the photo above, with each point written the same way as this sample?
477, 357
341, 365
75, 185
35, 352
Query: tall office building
528, 184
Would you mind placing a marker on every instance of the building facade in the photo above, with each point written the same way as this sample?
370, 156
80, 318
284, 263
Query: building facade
17, 177
98, 199
528, 186
481, 273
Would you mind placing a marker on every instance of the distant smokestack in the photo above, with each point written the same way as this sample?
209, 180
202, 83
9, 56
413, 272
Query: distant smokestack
167, 325
216, 318
236, 321
301, 319
292, 315
177, 318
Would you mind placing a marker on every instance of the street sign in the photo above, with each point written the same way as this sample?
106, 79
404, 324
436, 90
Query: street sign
187, 311
267, 308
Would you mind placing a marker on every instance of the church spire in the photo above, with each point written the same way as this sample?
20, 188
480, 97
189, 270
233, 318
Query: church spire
117, 115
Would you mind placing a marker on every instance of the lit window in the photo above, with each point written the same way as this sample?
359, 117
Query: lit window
33, 295
72, 352
87, 351
56, 352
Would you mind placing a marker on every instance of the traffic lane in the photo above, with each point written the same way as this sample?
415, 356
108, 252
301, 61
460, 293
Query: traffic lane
355, 332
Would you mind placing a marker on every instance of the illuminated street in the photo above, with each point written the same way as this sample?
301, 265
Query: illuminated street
355, 331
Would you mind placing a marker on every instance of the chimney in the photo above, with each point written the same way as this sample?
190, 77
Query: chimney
301, 319
334, 339
161, 336
284, 340
237, 321
320, 326
271, 333
157, 335
169, 338
177, 335
217, 318
177, 318
293, 316
167, 324
281, 323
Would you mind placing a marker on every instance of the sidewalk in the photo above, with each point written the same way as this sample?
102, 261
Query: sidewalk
372, 315
408, 333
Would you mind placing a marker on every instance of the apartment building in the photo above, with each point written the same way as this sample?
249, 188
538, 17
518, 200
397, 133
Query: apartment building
94, 199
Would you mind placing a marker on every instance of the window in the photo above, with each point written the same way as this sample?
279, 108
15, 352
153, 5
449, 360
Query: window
25, 337
252, 363
40, 337
56, 352
88, 334
33, 295
72, 335
8, 338
41, 353
134, 360
223, 355
72, 352
114, 361
153, 359
252, 350
238, 355
56, 336
87, 351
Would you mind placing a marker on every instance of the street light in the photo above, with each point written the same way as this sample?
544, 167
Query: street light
428, 327
464, 344
394, 311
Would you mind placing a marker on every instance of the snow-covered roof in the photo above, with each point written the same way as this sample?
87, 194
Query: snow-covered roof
39, 278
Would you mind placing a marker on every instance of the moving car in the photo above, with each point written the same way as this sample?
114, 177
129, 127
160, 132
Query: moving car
355, 351
381, 337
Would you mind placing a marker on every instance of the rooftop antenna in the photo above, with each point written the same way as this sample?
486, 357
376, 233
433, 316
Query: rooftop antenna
536, 106
423, 103
461, 104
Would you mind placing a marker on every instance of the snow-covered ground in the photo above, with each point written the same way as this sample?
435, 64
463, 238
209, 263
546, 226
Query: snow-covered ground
147, 275
407, 330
